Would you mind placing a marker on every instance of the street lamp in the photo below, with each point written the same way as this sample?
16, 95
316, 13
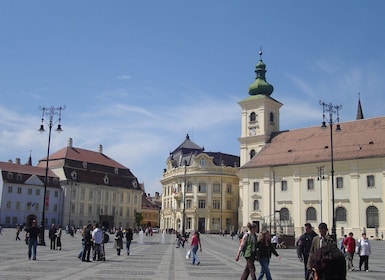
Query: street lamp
50, 112
331, 109
184, 200
320, 178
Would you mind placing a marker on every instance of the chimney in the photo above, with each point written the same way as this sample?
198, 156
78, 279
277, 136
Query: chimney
101, 149
157, 194
10, 161
70, 142
17, 161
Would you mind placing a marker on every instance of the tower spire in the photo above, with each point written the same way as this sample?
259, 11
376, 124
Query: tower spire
260, 86
360, 114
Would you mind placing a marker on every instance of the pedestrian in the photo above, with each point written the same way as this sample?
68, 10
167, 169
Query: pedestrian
97, 236
31, 234
52, 236
83, 243
363, 250
195, 242
341, 245
17, 232
247, 247
58, 237
304, 245
327, 263
321, 240
274, 241
87, 244
129, 237
264, 250
350, 247
119, 241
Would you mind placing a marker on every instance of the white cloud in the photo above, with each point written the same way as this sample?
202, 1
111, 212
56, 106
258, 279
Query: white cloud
123, 77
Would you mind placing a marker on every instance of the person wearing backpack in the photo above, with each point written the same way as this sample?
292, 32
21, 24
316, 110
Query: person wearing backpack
248, 247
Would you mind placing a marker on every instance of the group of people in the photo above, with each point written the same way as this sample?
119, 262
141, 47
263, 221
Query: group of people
94, 237
54, 235
349, 246
256, 248
324, 260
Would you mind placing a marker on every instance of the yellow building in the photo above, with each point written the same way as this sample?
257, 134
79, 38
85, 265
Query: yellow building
286, 176
200, 190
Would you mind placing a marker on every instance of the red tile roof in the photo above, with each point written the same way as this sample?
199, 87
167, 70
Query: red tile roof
82, 155
357, 139
25, 169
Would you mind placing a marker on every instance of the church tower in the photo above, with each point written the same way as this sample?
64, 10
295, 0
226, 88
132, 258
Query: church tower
260, 115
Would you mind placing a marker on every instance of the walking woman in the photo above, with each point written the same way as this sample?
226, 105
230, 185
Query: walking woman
248, 248
363, 249
265, 249
195, 242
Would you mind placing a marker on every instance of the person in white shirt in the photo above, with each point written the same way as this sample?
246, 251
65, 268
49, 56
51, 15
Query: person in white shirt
364, 250
97, 236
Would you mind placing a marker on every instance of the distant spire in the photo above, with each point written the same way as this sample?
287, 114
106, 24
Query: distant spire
30, 159
360, 114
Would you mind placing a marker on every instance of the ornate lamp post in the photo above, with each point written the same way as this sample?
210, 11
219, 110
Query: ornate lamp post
50, 112
331, 109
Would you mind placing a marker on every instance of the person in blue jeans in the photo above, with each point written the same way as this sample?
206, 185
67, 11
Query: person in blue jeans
265, 249
33, 233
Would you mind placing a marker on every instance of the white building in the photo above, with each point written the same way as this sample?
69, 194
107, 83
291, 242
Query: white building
285, 176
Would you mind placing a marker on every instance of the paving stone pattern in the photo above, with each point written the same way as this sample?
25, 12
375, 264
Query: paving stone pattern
156, 258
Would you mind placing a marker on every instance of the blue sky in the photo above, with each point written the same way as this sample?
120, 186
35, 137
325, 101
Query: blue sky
136, 76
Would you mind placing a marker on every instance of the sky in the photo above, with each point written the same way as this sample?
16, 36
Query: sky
137, 76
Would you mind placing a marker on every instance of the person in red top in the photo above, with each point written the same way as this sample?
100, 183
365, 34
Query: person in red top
350, 246
195, 243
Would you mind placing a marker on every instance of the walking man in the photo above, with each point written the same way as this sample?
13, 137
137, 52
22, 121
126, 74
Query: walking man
33, 233
304, 245
350, 247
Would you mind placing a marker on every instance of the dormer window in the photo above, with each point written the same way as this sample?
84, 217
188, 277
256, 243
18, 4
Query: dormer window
134, 184
74, 175
19, 177
116, 170
202, 162
84, 164
10, 175
106, 180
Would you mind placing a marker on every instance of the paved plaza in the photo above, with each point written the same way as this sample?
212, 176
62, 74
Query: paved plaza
155, 258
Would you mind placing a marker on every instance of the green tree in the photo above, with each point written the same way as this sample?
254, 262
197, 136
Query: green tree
138, 218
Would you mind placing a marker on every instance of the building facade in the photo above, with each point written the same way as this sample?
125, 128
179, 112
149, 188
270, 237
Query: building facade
95, 188
286, 176
200, 190
22, 194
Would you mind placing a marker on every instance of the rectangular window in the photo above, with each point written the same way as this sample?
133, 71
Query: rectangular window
189, 223
229, 188
228, 204
19, 190
216, 204
188, 203
256, 186
370, 181
202, 187
189, 187
339, 182
284, 186
310, 184
36, 206
10, 189
37, 191
73, 193
202, 203
82, 194
29, 191
90, 209
55, 208
121, 198
56, 193
9, 204
18, 205
216, 188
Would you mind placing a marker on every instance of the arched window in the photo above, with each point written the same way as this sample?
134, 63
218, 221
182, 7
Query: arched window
341, 214
252, 117
311, 214
284, 214
256, 205
372, 217
252, 153
271, 117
